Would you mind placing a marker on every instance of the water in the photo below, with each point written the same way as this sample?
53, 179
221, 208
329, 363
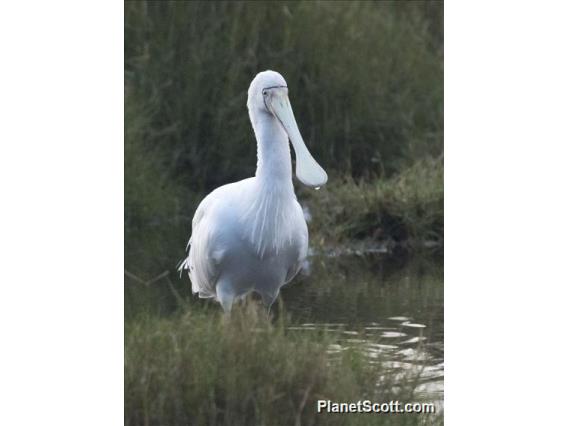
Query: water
393, 309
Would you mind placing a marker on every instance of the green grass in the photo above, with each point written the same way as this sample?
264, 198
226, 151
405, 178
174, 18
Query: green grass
201, 368
407, 209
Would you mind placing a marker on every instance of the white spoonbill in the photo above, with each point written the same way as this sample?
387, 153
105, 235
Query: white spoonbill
251, 235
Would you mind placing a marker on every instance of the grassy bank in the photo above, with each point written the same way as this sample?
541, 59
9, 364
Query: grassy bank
406, 210
200, 368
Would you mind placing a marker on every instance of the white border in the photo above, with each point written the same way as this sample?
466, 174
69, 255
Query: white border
61, 177
506, 212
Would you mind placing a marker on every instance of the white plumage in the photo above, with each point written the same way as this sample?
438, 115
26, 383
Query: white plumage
251, 235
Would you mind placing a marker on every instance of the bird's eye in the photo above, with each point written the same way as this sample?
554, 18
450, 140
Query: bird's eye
265, 92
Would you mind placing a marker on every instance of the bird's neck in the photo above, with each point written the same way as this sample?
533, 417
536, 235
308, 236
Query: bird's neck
274, 164
271, 203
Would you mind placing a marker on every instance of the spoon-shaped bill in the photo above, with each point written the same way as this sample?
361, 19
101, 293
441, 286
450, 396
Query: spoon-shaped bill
308, 171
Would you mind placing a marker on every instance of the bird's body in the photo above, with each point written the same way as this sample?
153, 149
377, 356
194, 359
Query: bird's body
246, 238
251, 235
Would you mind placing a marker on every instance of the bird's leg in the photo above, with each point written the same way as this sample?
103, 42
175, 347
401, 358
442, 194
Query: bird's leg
268, 300
225, 295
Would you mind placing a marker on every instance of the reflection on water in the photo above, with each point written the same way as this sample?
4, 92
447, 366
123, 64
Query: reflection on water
394, 311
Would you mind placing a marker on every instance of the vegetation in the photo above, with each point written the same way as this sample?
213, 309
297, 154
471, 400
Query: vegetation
201, 368
365, 78
407, 209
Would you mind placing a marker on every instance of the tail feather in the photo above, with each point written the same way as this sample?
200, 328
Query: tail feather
182, 265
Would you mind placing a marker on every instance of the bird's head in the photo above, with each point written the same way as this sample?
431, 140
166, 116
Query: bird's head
268, 95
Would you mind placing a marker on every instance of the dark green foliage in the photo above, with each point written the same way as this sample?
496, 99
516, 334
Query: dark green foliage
365, 81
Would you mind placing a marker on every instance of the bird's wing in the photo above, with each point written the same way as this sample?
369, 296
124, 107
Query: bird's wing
208, 242
202, 260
